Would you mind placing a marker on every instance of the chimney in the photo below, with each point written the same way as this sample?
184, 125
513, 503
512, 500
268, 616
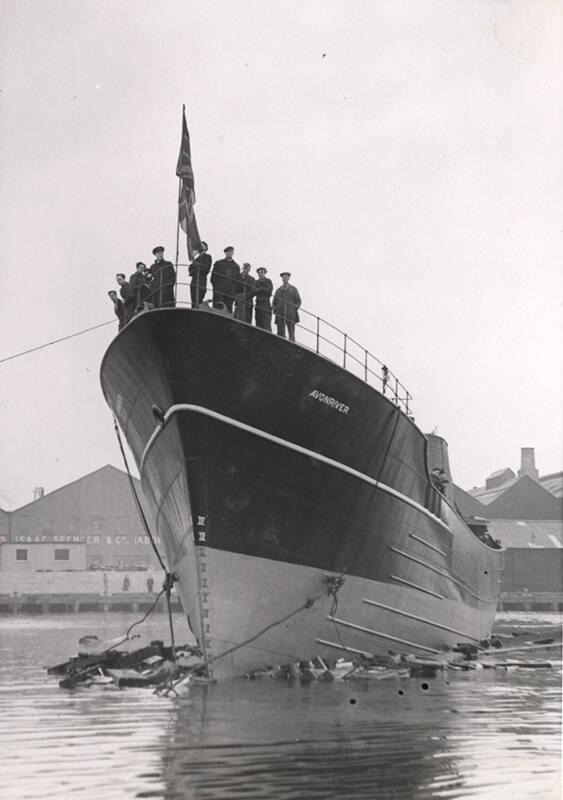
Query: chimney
38, 492
528, 464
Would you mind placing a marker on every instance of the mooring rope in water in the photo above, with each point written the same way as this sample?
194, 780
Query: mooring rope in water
147, 614
169, 577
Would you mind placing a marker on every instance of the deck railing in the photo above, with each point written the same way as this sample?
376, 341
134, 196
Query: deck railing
314, 332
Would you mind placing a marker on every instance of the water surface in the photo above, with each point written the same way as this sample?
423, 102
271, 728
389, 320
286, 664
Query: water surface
480, 734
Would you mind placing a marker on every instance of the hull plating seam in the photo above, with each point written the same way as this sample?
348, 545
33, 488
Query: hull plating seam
289, 445
416, 586
443, 574
343, 647
418, 619
381, 635
431, 546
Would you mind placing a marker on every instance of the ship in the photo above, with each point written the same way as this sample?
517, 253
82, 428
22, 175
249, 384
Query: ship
302, 511
294, 497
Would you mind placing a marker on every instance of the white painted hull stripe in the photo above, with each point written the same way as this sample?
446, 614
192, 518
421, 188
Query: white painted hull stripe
290, 446
418, 619
381, 635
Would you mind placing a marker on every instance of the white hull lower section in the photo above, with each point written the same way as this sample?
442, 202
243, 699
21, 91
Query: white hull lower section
232, 599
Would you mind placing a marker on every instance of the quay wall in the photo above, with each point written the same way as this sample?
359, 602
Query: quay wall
79, 583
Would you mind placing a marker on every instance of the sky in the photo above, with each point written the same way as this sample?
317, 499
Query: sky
401, 158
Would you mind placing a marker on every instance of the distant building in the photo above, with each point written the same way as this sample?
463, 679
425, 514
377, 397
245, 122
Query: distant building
525, 512
91, 523
4, 525
42, 557
533, 561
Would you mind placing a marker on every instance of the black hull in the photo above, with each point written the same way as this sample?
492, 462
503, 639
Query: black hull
283, 456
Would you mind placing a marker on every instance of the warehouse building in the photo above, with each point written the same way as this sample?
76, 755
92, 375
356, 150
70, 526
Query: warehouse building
525, 512
91, 523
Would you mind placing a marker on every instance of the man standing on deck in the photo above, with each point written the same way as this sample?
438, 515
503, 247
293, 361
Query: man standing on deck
286, 303
225, 280
139, 283
263, 311
164, 280
127, 295
117, 306
199, 270
244, 295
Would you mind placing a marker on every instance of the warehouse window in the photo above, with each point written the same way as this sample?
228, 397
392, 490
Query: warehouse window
21, 555
62, 554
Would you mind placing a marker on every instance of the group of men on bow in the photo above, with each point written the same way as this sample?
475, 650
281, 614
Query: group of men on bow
151, 287
235, 291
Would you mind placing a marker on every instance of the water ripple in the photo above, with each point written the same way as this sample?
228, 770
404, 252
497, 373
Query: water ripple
468, 735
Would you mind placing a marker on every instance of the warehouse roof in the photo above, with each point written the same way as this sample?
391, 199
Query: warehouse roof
523, 533
553, 483
520, 498
486, 496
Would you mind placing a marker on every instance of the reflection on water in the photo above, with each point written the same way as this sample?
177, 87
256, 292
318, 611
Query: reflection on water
482, 734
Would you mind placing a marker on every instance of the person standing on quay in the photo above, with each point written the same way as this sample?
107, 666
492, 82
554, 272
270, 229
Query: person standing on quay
199, 270
163, 280
225, 280
263, 310
286, 304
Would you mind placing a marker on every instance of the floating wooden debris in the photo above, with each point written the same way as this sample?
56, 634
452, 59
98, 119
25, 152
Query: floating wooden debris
157, 666
521, 664
153, 665
489, 654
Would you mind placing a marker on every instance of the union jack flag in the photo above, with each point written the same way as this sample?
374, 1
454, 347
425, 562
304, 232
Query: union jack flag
186, 199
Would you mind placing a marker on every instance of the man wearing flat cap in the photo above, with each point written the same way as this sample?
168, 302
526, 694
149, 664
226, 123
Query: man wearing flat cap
163, 280
225, 280
263, 310
286, 304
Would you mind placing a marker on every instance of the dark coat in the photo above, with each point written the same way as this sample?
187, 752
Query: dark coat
286, 303
246, 289
162, 284
199, 269
129, 301
243, 298
139, 283
225, 277
264, 288
119, 312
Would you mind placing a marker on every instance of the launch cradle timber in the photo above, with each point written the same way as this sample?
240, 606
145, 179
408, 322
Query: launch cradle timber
294, 499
